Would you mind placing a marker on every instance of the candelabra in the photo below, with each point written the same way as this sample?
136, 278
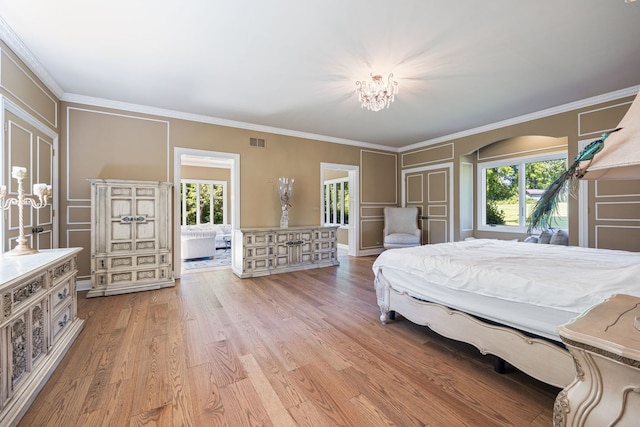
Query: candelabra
42, 191
285, 188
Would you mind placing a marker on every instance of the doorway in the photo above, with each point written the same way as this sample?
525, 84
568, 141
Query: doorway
351, 176
205, 159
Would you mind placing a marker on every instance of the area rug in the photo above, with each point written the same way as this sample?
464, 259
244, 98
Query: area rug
222, 258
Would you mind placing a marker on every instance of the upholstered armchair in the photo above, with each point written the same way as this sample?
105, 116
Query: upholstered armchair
401, 228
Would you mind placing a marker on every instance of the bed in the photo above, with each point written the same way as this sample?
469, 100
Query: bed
506, 298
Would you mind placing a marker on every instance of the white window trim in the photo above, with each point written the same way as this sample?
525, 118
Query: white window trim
335, 181
482, 189
199, 182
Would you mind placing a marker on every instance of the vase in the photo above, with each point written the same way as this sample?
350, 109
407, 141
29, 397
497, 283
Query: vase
284, 219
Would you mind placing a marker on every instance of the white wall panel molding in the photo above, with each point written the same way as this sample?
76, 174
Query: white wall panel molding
600, 215
414, 176
88, 110
601, 195
429, 175
611, 96
440, 160
524, 153
53, 120
362, 181
580, 117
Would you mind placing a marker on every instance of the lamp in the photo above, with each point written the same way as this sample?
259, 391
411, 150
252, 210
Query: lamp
620, 156
42, 191
375, 95
285, 189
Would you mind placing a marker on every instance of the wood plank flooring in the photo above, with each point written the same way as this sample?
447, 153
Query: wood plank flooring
295, 349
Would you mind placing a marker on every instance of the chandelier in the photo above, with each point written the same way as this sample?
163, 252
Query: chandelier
375, 95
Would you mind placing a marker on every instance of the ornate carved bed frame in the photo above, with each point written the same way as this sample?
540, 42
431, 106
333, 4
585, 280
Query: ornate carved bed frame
536, 357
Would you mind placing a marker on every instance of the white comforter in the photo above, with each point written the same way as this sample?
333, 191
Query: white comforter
564, 277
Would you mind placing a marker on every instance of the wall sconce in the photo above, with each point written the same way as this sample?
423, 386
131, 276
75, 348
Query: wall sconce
42, 191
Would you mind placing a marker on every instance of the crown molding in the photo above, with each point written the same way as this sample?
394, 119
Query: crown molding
106, 103
583, 103
19, 48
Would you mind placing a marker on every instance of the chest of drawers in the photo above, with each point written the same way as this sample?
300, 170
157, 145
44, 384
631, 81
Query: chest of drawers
263, 251
38, 324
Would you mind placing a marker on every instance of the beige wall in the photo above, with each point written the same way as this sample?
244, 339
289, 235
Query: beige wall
104, 143
540, 135
30, 139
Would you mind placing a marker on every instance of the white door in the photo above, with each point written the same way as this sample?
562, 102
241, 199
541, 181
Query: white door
27, 146
429, 191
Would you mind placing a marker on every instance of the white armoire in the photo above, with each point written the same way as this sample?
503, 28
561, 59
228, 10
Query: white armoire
130, 236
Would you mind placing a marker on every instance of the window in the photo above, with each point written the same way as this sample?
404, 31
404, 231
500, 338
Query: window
336, 201
199, 199
509, 189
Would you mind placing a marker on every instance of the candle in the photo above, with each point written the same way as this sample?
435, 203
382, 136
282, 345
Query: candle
18, 172
3, 190
39, 189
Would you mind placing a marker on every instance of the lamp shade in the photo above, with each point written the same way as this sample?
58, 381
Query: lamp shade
620, 157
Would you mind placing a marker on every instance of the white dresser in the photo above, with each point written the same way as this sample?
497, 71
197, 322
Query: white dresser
131, 237
263, 251
38, 325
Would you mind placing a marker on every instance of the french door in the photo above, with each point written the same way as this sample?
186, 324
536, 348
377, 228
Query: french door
429, 189
27, 143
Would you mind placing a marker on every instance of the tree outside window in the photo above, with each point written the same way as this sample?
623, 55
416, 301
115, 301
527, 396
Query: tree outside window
510, 190
336, 202
197, 202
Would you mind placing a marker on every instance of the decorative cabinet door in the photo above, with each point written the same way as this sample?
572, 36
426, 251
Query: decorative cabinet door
28, 343
130, 236
293, 247
133, 219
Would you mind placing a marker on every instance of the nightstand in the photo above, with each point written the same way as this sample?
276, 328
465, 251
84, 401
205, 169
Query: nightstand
605, 345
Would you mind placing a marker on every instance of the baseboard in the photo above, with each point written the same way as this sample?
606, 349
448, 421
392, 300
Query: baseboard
83, 285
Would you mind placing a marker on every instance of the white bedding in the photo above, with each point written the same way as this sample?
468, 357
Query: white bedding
532, 287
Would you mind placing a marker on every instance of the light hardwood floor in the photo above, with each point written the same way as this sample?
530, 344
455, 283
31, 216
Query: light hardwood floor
297, 349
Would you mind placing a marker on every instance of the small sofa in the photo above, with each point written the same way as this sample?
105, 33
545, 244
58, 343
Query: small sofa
223, 231
201, 241
197, 241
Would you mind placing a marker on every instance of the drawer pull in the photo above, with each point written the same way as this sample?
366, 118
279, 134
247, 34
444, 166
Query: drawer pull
138, 218
62, 295
62, 323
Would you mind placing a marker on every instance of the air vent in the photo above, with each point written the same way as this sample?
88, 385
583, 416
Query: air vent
257, 142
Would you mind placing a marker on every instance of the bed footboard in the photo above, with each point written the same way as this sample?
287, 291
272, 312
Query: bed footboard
538, 358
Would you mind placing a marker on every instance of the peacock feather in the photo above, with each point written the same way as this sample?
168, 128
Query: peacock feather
546, 208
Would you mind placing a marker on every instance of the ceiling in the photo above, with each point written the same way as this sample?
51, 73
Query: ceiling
291, 66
